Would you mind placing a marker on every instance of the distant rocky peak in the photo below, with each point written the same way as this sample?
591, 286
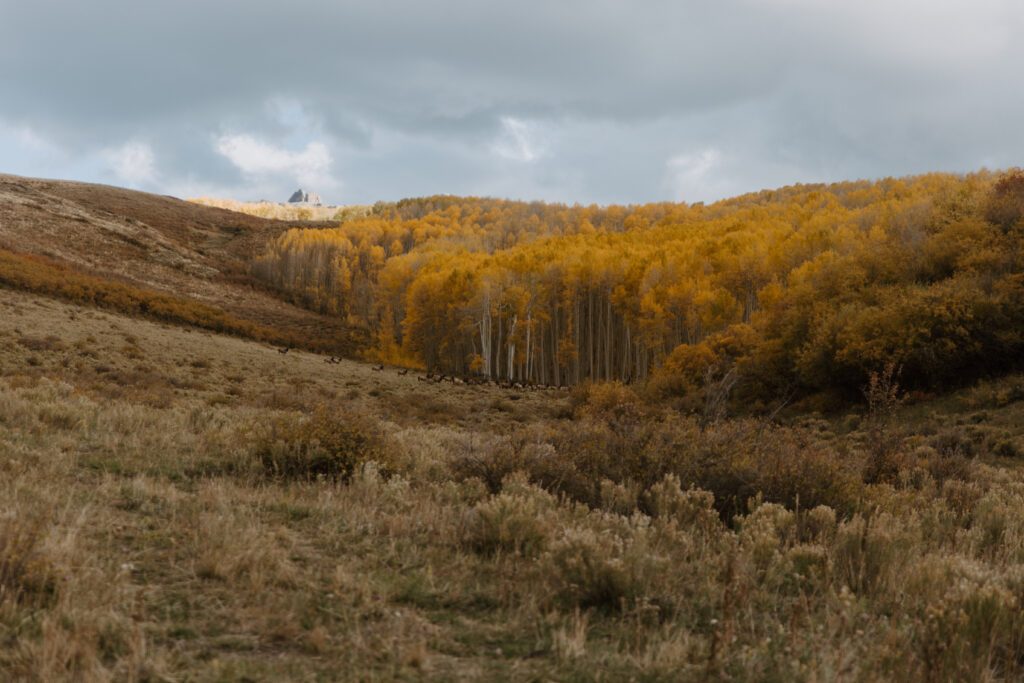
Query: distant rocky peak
302, 197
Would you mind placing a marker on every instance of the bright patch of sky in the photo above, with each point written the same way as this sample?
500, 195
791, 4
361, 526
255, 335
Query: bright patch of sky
694, 177
257, 158
134, 164
519, 140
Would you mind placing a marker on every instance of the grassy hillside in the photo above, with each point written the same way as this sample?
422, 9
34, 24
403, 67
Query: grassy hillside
160, 245
177, 505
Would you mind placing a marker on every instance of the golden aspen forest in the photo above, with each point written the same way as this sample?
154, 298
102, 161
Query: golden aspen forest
799, 292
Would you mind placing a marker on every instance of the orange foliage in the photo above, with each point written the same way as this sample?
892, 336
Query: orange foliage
804, 289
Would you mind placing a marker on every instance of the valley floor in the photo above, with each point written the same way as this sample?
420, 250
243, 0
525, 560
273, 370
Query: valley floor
143, 535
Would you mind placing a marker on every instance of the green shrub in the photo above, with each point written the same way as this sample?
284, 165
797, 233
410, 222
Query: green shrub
689, 508
869, 553
818, 525
800, 569
25, 571
330, 443
611, 401
597, 568
967, 618
736, 460
528, 451
511, 522
1005, 397
767, 530
597, 462
1007, 448
953, 442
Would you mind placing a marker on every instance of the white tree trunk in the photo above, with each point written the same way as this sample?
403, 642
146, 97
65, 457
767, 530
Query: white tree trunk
512, 345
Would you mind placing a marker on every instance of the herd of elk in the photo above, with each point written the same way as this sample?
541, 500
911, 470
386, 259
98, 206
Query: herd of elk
484, 382
465, 381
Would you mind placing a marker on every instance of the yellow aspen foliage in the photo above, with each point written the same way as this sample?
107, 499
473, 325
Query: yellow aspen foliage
805, 289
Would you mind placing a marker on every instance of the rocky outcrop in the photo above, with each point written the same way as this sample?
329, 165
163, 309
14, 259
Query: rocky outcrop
305, 198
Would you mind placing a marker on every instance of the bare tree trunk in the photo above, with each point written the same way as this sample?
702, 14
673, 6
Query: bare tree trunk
512, 345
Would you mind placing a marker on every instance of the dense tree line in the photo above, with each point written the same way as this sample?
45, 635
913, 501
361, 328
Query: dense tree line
804, 289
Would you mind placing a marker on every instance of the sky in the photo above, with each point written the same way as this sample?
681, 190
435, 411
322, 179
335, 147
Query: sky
575, 101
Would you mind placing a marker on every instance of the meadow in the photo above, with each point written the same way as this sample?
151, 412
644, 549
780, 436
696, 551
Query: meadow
177, 504
278, 211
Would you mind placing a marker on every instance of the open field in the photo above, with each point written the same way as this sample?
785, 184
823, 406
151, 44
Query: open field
146, 535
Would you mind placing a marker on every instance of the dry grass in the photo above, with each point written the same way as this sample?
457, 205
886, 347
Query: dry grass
275, 210
142, 539
157, 243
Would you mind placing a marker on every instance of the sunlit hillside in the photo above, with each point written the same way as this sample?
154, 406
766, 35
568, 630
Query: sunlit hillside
286, 212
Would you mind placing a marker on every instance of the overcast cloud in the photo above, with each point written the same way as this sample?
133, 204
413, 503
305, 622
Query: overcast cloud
590, 101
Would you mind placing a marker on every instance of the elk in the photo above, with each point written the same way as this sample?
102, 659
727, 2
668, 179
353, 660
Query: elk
404, 372
285, 349
378, 368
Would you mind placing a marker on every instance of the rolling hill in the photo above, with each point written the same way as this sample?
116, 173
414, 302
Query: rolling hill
159, 244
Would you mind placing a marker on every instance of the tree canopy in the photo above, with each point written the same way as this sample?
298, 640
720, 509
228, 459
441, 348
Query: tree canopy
804, 289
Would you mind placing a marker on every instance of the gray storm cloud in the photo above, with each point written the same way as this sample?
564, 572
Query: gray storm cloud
571, 101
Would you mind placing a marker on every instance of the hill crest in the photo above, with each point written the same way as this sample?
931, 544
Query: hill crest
155, 242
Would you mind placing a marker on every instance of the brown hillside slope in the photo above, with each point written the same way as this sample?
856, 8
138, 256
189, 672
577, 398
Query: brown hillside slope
155, 242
